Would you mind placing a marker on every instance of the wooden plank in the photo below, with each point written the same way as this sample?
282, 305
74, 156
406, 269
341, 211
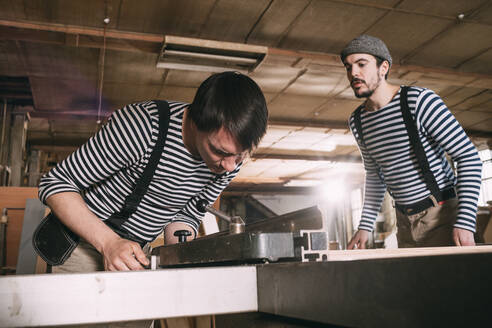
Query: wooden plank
263, 153
71, 29
181, 17
17, 146
14, 230
219, 23
201, 43
188, 322
487, 235
14, 199
41, 300
276, 21
371, 254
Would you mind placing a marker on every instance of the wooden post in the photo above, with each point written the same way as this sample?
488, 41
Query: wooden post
34, 168
17, 146
4, 143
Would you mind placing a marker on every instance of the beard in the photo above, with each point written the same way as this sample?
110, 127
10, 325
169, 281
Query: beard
370, 88
365, 94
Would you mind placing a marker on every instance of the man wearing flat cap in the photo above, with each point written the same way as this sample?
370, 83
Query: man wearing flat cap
403, 134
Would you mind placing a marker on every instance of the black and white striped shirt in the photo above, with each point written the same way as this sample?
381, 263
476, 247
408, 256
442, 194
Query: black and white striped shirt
389, 155
105, 169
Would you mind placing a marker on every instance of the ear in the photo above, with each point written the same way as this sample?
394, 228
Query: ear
384, 68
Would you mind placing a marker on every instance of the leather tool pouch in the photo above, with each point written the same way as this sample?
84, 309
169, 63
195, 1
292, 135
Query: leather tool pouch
53, 241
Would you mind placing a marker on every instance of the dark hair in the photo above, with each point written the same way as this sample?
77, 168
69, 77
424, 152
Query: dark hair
379, 61
233, 101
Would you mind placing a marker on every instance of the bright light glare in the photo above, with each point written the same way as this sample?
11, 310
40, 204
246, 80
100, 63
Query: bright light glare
332, 191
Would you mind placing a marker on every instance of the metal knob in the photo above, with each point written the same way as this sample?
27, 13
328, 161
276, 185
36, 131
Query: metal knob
182, 235
236, 225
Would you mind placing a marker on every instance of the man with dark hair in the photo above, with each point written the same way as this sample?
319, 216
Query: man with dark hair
403, 134
204, 147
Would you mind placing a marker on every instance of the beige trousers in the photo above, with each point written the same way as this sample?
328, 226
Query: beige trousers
85, 258
430, 228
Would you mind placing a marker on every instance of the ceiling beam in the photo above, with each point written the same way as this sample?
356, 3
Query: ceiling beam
322, 124
396, 8
478, 134
13, 95
67, 114
342, 125
55, 148
77, 40
83, 30
439, 35
325, 58
316, 156
246, 189
326, 124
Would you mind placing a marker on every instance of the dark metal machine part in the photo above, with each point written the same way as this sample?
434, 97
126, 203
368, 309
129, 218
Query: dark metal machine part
248, 247
268, 240
428, 291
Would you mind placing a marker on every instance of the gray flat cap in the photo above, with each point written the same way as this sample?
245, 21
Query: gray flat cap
366, 44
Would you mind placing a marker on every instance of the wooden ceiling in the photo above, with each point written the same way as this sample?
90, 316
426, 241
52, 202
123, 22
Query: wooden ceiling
54, 64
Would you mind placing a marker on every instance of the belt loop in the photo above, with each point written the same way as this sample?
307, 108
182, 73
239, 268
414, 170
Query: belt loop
434, 201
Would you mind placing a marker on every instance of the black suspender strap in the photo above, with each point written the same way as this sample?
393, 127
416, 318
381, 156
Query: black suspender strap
360, 135
131, 202
358, 125
416, 144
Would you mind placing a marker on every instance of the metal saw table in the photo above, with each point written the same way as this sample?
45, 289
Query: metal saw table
282, 268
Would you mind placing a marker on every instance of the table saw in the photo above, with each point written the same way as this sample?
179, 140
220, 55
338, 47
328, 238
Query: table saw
282, 267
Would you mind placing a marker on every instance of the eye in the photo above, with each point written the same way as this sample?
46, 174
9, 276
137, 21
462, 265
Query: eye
216, 151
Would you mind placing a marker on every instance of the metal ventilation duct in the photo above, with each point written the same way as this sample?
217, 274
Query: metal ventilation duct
210, 56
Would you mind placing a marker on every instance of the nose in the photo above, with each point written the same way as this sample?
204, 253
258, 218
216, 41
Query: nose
354, 72
229, 163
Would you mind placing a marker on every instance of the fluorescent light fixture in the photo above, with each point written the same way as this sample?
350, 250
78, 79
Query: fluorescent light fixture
209, 56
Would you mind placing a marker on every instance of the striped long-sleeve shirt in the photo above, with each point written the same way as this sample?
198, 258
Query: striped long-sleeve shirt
390, 162
105, 169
